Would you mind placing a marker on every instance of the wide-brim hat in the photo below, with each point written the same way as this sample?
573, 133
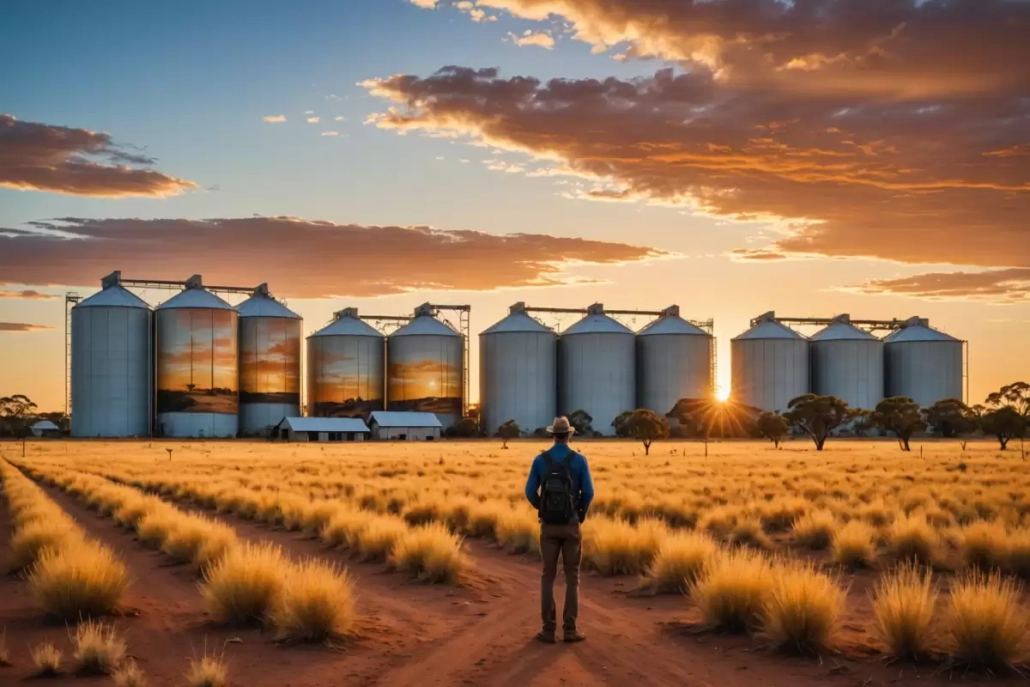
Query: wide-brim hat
561, 425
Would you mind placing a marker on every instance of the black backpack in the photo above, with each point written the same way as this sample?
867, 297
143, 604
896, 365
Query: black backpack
557, 502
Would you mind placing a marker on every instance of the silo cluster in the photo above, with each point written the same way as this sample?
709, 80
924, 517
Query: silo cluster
528, 373
772, 363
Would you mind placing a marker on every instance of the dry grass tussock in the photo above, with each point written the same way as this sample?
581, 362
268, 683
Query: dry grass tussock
986, 623
47, 659
911, 537
1018, 560
128, 674
680, 561
815, 529
99, 649
28, 542
615, 547
903, 603
245, 584
5, 654
749, 532
852, 545
317, 603
985, 545
802, 609
430, 553
82, 579
210, 670
733, 589
518, 530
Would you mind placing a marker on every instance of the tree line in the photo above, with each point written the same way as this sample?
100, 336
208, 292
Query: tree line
18, 413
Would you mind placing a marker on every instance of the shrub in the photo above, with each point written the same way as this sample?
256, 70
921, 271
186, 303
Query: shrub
133, 510
210, 670
680, 560
82, 579
245, 584
986, 623
483, 518
1018, 560
802, 609
614, 547
903, 603
343, 526
876, 514
911, 537
984, 545
47, 659
317, 602
128, 674
815, 529
154, 527
36, 536
98, 648
853, 546
732, 590
749, 532
378, 537
518, 530
719, 521
778, 515
430, 553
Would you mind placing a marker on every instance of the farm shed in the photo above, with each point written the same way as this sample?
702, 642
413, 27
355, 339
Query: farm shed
45, 428
321, 429
405, 426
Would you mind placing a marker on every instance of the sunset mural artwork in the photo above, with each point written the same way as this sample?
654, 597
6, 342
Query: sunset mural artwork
270, 361
196, 361
345, 376
425, 376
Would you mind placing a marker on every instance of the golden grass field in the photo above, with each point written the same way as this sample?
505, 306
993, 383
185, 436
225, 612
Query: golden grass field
858, 551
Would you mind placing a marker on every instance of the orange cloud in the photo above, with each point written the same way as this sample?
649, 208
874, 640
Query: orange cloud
27, 294
893, 48
999, 286
300, 258
44, 157
22, 327
842, 176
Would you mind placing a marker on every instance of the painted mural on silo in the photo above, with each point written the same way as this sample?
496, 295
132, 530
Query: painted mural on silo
197, 361
270, 361
425, 364
345, 374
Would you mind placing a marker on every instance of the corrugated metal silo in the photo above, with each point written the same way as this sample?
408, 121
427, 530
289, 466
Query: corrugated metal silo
426, 368
674, 361
518, 373
196, 365
923, 363
847, 362
597, 369
769, 365
346, 364
111, 376
270, 336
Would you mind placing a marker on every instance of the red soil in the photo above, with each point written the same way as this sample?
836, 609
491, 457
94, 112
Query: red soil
478, 634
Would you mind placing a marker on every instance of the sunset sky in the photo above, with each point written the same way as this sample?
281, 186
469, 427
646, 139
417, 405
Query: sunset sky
812, 157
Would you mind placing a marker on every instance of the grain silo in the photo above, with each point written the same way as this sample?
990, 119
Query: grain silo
923, 363
346, 365
597, 369
674, 361
426, 363
269, 338
196, 365
769, 365
111, 375
847, 362
518, 373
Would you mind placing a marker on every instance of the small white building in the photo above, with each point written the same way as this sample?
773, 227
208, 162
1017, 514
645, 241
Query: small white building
45, 428
404, 426
321, 429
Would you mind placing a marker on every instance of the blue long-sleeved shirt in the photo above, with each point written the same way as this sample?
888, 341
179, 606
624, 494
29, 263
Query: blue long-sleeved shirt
582, 482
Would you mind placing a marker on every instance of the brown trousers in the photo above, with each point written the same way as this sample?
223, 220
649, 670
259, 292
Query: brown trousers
566, 541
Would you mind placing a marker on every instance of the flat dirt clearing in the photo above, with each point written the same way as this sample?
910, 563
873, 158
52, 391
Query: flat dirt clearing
481, 631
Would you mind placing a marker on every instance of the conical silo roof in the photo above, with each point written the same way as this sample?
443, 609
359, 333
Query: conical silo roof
596, 322
842, 330
347, 323
768, 328
517, 321
425, 325
918, 329
671, 324
263, 305
197, 297
114, 296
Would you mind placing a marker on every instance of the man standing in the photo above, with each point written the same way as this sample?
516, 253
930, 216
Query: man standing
560, 488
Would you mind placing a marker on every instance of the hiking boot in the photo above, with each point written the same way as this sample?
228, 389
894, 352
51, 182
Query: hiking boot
572, 636
545, 636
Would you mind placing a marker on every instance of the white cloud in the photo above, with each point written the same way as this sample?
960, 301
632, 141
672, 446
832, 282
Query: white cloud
274, 119
338, 119
475, 13
314, 120
330, 133
309, 112
540, 39
425, 4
